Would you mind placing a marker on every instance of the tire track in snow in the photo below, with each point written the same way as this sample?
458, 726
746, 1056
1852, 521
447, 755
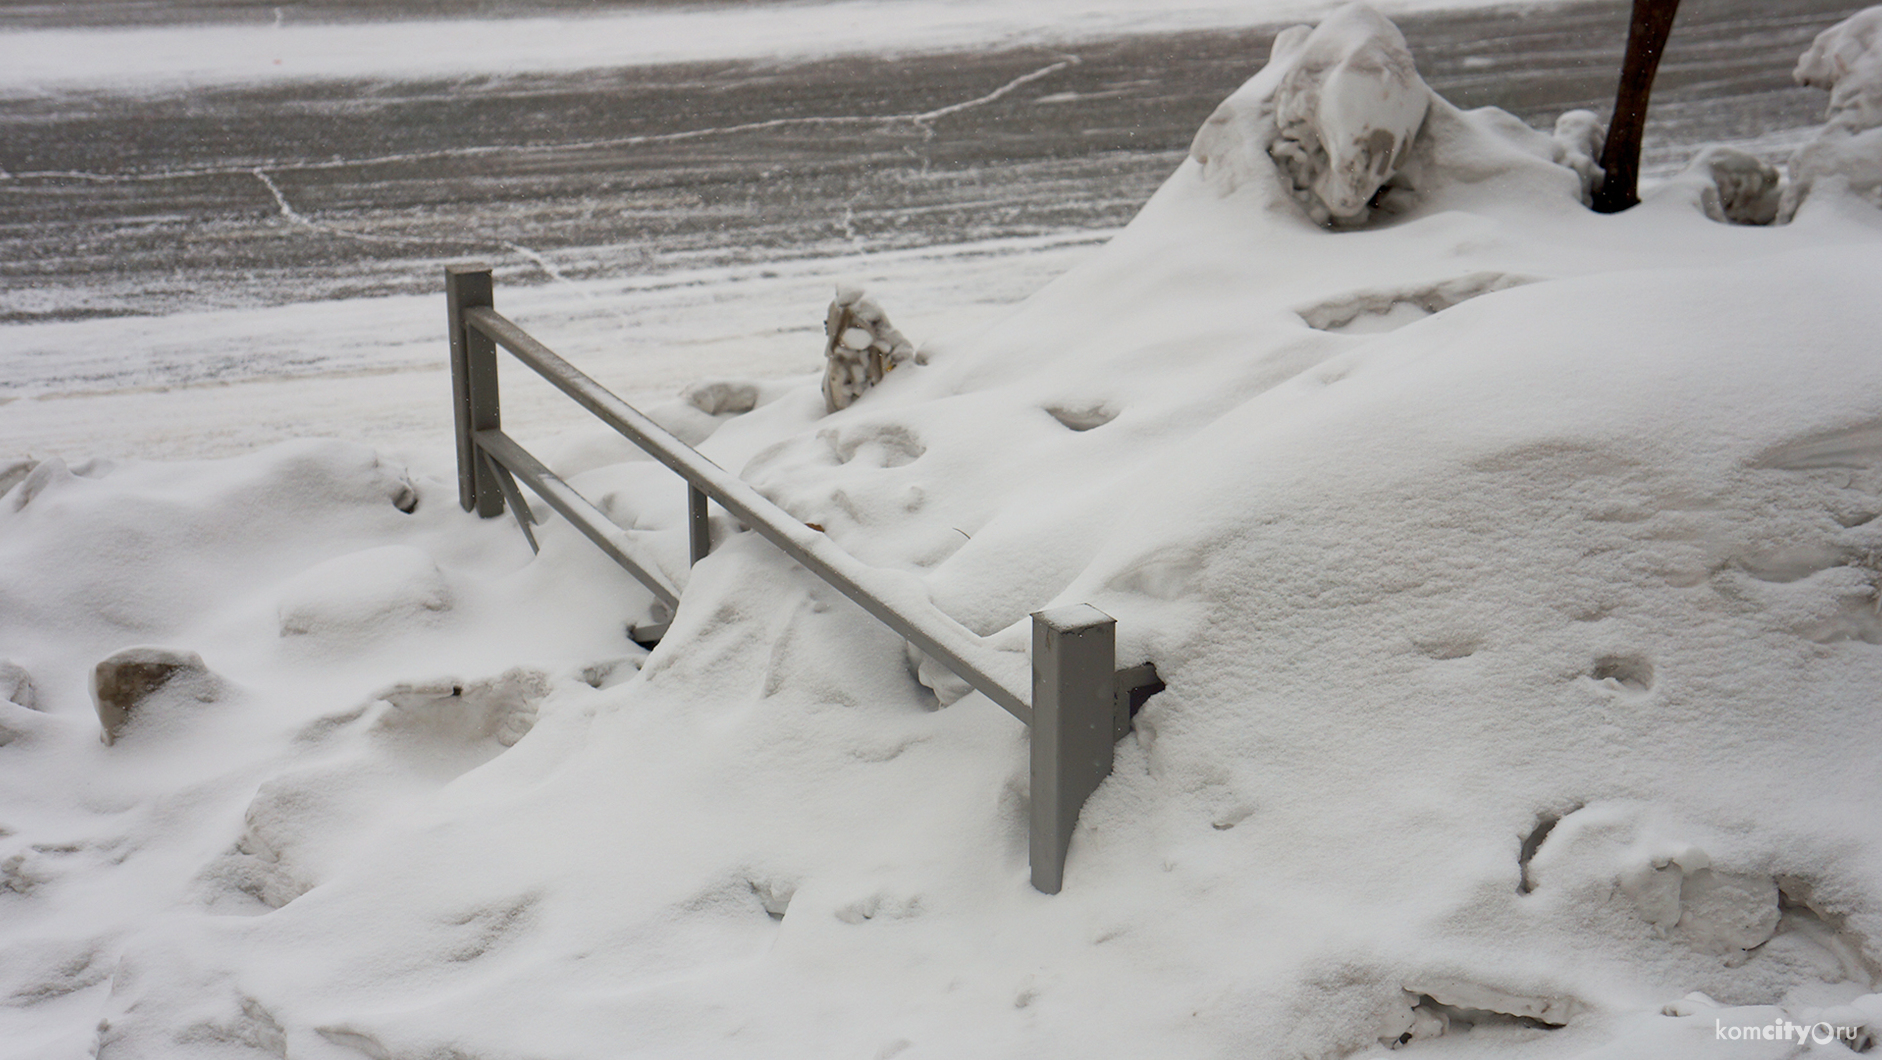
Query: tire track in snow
1042, 72
535, 257
920, 118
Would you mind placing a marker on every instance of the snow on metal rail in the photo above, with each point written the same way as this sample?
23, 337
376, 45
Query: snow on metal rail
1078, 705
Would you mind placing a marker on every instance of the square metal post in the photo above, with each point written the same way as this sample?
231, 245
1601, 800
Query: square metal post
698, 530
1074, 662
473, 386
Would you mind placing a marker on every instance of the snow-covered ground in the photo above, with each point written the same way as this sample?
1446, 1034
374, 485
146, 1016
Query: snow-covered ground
224, 381
288, 49
1512, 569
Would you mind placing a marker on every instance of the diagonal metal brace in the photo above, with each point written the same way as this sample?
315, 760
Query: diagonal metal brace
513, 497
590, 520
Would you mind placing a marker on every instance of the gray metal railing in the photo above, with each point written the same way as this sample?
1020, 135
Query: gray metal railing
1078, 703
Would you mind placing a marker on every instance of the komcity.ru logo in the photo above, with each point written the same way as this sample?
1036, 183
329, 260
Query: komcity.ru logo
1822, 1033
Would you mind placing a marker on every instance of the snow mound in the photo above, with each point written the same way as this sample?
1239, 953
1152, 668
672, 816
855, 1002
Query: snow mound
355, 596
1346, 108
1845, 59
1341, 113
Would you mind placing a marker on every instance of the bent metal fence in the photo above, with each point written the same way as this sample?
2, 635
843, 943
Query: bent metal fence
1078, 704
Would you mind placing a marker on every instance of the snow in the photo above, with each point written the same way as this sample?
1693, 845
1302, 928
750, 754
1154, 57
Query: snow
860, 346
1736, 186
37, 61
1511, 568
1347, 107
1847, 60
226, 381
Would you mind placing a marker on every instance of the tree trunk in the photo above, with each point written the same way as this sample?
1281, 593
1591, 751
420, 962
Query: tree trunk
1620, 156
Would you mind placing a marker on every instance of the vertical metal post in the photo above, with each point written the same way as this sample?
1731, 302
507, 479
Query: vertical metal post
698, 531
473, 386
1074, 661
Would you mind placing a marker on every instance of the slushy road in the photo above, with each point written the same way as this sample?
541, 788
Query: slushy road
115, 204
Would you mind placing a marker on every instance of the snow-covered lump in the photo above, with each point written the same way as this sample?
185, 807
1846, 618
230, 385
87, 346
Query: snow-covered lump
501, 708
1845, 59
1345, 105
1732, 186
1745, 189
860, 345
16, 685
1579, 136
122, 684
1348, 109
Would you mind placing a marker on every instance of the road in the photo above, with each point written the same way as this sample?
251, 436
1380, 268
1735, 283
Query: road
228, 197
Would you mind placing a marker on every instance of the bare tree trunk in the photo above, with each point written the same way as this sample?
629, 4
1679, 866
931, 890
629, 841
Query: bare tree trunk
1620, 157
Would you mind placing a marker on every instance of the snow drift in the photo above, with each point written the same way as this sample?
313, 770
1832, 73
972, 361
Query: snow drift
1512, 569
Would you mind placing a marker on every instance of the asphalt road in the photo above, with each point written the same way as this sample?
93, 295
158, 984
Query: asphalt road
148, 204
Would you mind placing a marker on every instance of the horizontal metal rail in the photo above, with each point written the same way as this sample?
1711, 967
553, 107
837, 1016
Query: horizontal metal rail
897, 599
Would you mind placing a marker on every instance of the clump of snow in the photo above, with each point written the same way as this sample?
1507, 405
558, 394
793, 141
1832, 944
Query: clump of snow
1519, 654
1336, 108
1346, 109
356, 596
860, 347
1735, 187
125, 685
1579, 138
502, 708
1355, 133
1845, 59
19, 703
13, 472
16, 685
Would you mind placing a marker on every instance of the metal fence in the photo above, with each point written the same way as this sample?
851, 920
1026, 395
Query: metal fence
1078, 704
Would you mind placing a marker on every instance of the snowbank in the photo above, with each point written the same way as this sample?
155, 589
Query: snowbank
1845, 59
1512, 570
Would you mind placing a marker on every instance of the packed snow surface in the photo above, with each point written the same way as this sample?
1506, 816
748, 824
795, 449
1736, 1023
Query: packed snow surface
1513, 571
288, 49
